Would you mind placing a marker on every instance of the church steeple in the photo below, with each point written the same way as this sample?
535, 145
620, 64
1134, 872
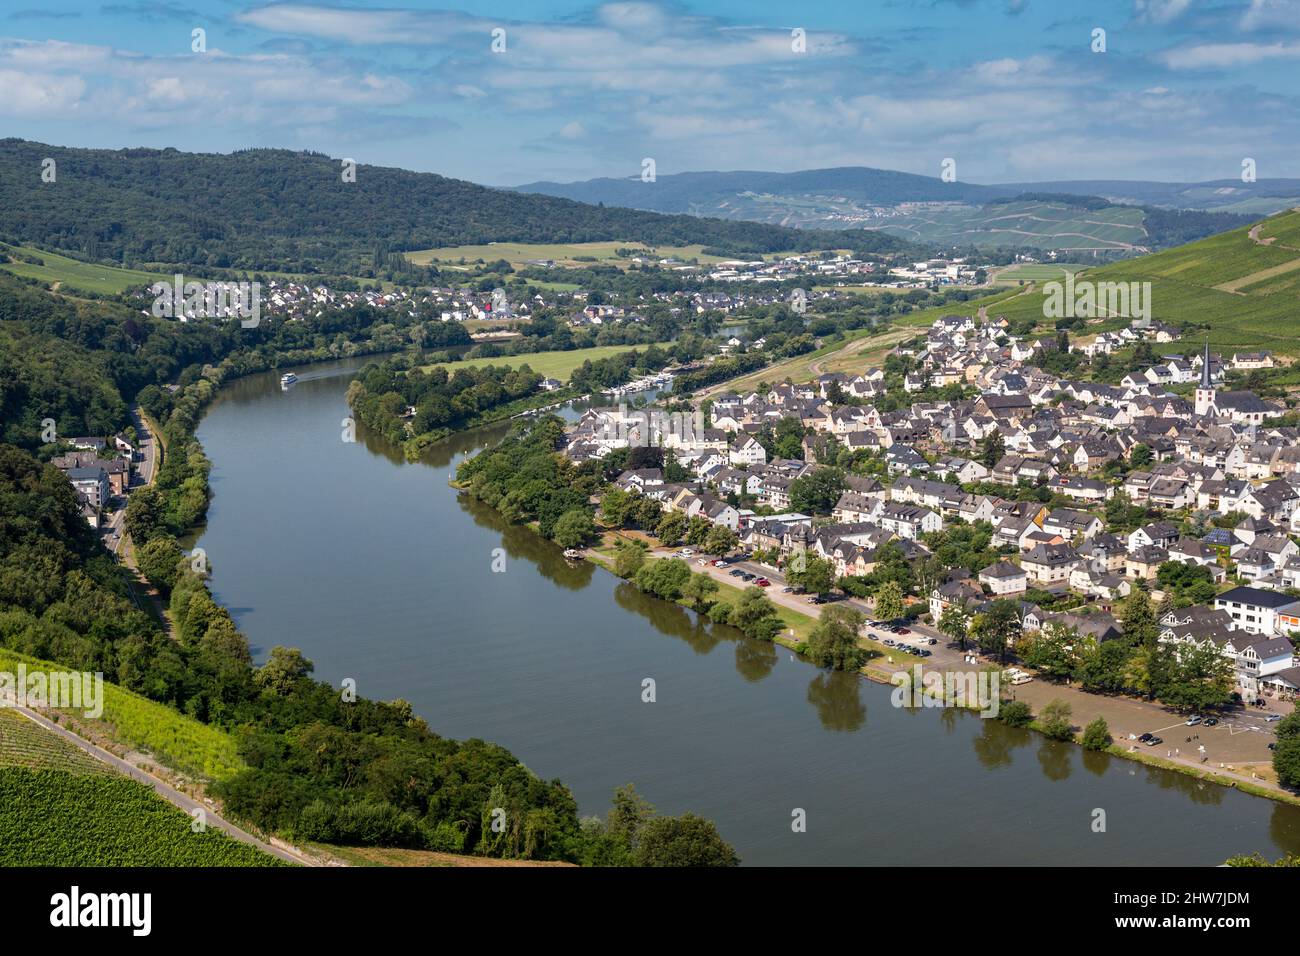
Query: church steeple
1205, 391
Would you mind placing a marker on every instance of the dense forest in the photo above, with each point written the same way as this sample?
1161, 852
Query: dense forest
269, 208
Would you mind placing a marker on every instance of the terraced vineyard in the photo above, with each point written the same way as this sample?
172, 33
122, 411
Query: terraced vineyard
1220, 285
51, 817
178, 741
27, 745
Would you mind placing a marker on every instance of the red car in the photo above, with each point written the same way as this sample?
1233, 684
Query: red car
763, 582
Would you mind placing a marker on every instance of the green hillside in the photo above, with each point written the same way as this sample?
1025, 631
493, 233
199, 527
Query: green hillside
1242, 292
61, 271
284, 210
1044, 225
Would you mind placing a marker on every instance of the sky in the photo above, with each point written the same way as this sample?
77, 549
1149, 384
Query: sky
503, 92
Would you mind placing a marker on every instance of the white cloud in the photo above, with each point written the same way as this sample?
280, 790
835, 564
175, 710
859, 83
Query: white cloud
1221, 55
1160, 11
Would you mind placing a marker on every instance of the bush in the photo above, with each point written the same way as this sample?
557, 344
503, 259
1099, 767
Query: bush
1055, 721
1016, 713
1096, 736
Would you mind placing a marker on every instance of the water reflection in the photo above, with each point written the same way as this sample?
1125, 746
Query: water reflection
1056, 759
754, 659
837, 695
1198, 790
1096, 762
997, 741
521, 543
672, 619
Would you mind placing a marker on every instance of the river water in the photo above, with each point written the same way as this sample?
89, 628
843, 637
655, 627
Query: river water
380, 572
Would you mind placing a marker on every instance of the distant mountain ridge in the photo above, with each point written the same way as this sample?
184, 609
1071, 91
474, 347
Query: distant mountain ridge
927, 209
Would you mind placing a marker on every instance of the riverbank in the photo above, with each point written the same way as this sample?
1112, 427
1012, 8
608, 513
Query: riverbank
1123, 716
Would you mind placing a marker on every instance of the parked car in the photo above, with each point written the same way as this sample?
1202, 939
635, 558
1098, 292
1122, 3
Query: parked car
1272, 718
763, 582
1193, 720
736, 573
1147, 738
687, 552
932, 641
903, 630
889, 642
1211, 721
787, 590
1154, 740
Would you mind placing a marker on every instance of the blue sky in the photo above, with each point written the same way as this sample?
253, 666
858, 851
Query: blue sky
1010, 89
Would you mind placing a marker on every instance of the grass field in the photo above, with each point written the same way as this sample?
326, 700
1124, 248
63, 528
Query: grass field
557, 365
74, 274
53, 818
518, 254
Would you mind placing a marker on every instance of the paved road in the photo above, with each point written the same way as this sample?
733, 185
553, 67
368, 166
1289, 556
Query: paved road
165, 790
141, 477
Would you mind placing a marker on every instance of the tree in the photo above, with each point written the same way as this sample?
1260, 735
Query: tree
817, 576
664, 579
755, 615
954, 623
1016, 713
573, 528
671, 527
158, 561
817, 492
889, 601
997, 628
1197, 677
629, 556
834, 641
282, 670
647, 514
617, 507
992, 448
1286, 756
720, 540
1096, 736
699, 589
687, 840
1055, 720
1051, 652
1139, 618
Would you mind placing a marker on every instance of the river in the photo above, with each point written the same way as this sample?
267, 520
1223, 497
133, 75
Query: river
380, 572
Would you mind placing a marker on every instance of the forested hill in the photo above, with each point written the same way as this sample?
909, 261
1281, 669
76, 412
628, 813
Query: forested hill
293, 211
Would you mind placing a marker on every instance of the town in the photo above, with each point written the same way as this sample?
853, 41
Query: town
1064, 497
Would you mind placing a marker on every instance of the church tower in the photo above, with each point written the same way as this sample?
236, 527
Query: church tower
1205, 390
